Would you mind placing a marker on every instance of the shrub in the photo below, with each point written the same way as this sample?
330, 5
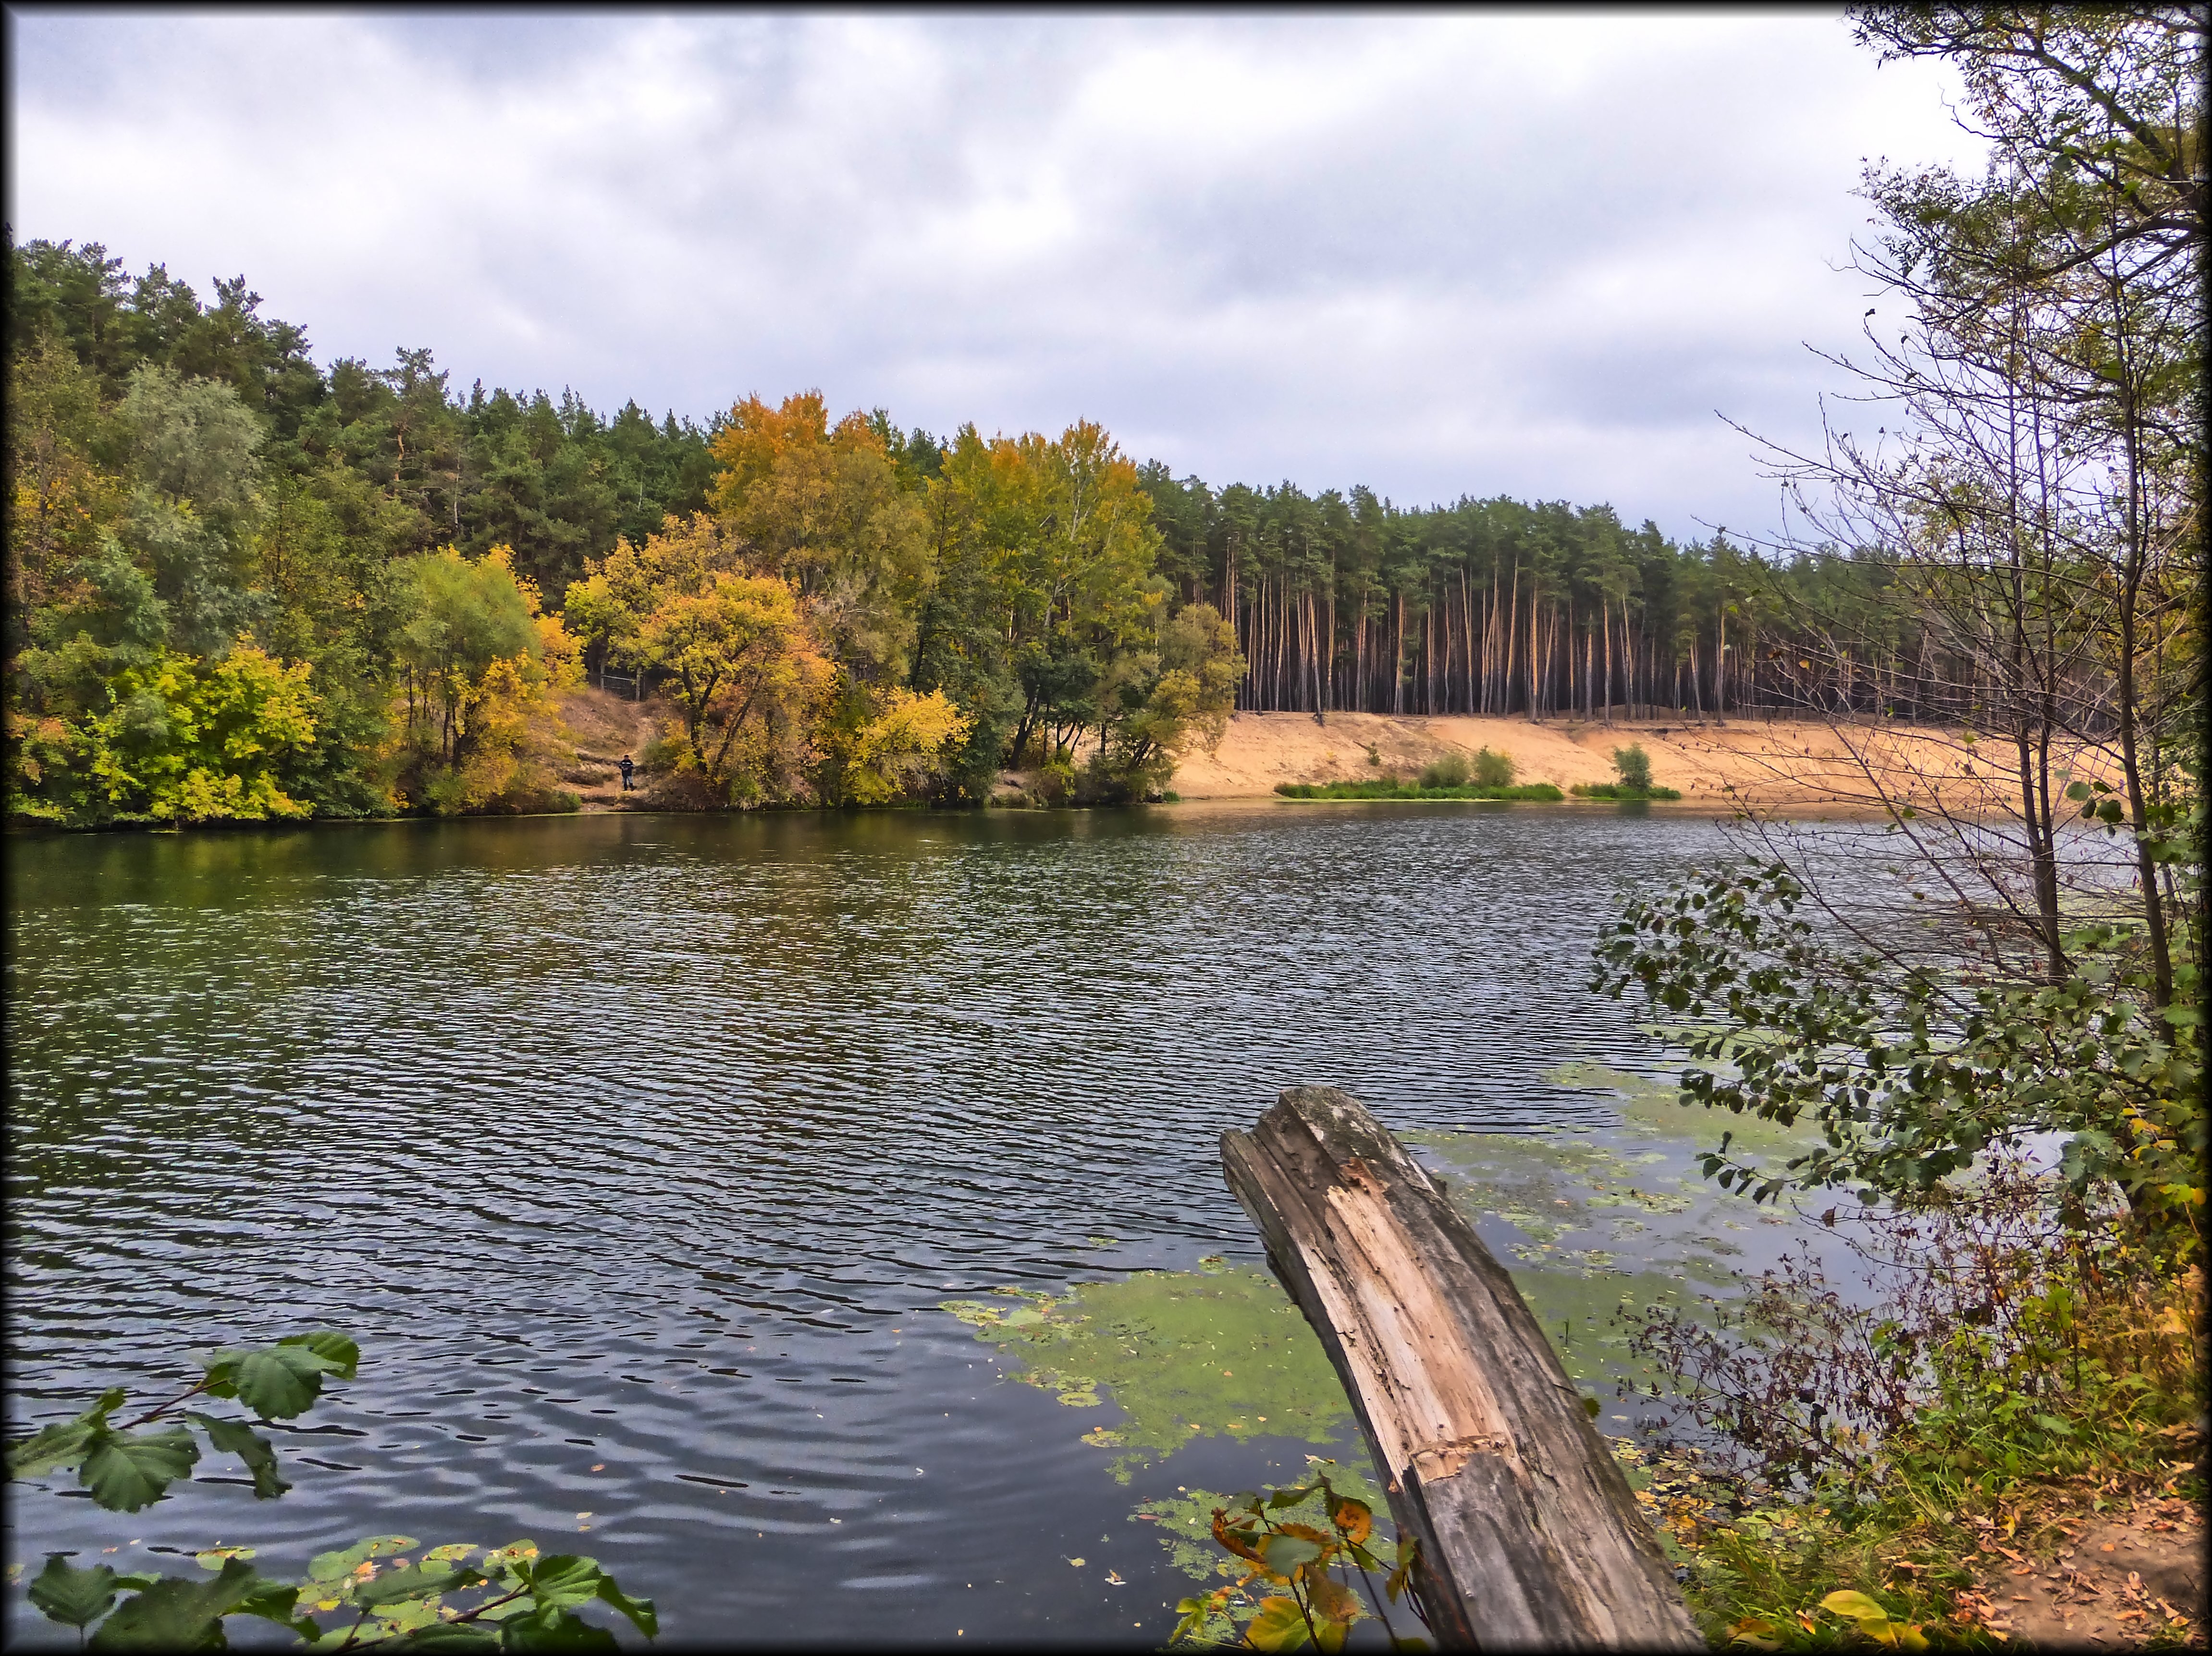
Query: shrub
1634, 765
1450, 772
1494, 769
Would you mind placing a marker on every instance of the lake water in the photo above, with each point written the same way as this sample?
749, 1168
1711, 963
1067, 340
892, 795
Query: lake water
640, 1155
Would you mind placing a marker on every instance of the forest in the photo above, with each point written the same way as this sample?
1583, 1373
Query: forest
243, 586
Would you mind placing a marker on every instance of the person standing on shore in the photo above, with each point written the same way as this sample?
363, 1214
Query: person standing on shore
626, 768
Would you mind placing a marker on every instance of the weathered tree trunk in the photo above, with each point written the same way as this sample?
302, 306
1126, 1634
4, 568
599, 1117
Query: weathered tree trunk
1530, 1536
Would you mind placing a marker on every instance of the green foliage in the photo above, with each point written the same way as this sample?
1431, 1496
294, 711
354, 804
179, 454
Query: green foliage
124, 1470
1908, 1070
1633, 765
1452, 771
510, 1598
1620, 791
1494, 769
1391, 788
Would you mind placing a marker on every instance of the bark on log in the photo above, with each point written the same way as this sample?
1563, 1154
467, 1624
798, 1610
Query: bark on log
1530, 1536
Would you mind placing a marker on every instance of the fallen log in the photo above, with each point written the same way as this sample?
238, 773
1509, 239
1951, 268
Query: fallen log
1530, 1535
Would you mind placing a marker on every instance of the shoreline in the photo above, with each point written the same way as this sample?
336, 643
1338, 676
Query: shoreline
1783, 766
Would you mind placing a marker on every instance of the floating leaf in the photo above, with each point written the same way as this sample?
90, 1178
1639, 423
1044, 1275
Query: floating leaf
415, 1581
337, 1566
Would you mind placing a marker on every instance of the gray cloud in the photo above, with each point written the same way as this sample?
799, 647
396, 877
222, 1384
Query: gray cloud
1432, 253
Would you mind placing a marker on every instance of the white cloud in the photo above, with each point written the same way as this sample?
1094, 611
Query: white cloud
1433, 253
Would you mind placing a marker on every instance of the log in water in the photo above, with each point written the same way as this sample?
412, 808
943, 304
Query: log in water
1530, 1535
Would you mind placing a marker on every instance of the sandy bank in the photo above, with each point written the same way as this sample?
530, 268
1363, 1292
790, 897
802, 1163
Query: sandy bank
1788, 765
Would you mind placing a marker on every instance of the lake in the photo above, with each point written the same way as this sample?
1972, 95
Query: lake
643, 1153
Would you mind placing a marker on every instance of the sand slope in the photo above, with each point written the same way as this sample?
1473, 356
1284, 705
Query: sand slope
1750, 761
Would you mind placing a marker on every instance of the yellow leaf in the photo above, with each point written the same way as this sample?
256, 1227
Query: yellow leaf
1856, 1605
1281, 1625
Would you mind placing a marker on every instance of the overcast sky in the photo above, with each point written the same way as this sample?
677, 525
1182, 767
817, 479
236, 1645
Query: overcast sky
1433, 253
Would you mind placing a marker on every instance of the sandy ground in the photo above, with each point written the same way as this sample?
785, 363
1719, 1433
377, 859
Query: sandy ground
601, 728
2111, 1582
1742, 761
1782, 765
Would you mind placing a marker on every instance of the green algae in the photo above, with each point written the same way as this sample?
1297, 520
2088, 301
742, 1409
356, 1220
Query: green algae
1657, 1106
1216, 1352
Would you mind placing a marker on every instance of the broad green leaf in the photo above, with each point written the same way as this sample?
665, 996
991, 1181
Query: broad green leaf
414, 1582
343, 1355
336, 1567
63, 1444
1285, 1553
642, 1615
126, 1470
235, 1437
175, 1613
564, 1579
1282, 1498
453, 1636
277, 1601
553, 1628
74, 1598
1281, 1625
280, 1381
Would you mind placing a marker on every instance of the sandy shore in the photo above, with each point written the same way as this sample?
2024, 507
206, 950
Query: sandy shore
1789, 765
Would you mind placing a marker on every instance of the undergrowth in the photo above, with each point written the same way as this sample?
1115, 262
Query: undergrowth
1851, 1461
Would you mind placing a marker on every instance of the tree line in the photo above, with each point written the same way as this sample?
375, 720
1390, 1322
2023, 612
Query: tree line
242, 584
1497, 607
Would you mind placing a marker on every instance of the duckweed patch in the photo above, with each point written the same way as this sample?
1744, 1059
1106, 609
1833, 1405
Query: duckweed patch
1656, 1106
1216, 1352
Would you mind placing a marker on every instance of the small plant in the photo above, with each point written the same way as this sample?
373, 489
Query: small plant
1494, 769
1452, 771
1374, 756
516, 1599
1312, 1567
1388, 787
123, 1469
1634, 766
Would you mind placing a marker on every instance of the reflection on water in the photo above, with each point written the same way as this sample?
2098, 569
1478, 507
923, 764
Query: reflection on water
639, 1153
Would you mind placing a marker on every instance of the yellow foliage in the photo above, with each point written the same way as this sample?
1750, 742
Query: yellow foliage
822, 508
901, 747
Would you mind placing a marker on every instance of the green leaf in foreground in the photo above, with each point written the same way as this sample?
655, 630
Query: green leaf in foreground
63, 1444
553, 1628
340, 1352
563, 1580
234, 1437
126, 1470
175, 1613
76, 1598
641, 1614
277, 1382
